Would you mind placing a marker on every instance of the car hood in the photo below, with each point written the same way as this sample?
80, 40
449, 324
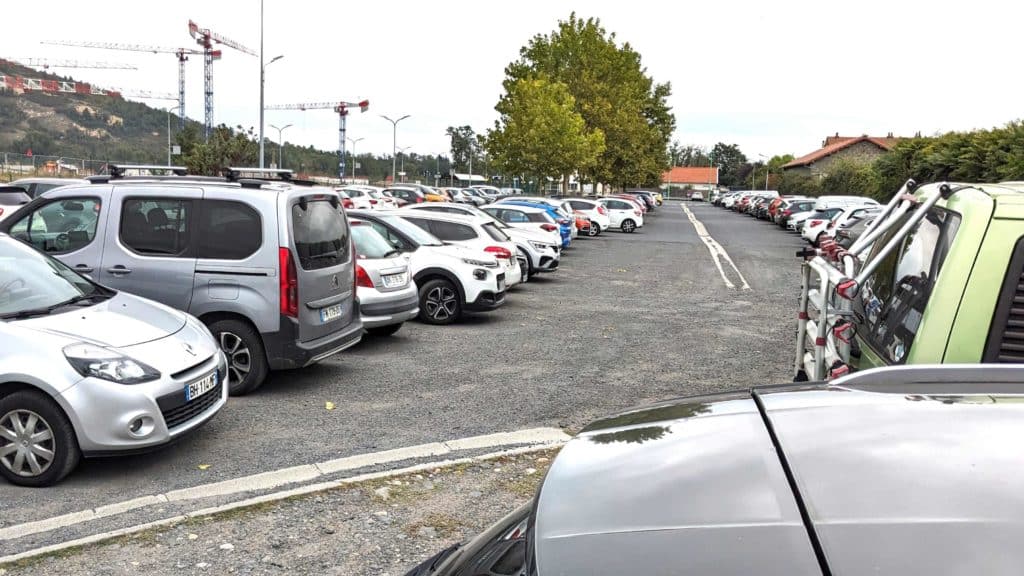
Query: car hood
121, 321
685, 487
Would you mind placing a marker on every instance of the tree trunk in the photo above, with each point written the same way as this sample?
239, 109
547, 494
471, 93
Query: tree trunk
565, 184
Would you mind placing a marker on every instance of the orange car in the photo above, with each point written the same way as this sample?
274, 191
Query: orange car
583, 224
437, 195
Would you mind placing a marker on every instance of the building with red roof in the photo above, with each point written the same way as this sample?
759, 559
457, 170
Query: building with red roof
860, 149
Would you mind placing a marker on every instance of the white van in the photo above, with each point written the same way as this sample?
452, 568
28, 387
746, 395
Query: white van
826, 202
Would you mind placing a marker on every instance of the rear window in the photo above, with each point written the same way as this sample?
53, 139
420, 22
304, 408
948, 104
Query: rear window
539, 217
369, 243
896, 295
13, 197
320, 233
495, 233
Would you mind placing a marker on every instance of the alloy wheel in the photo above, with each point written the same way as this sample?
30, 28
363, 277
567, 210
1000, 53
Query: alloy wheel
26, 443
628, 226
239, 356
440, 303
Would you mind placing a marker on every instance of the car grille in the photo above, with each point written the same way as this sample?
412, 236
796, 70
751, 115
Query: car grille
183, 413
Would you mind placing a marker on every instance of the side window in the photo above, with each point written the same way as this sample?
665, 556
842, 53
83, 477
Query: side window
896, 295
228, 230
157, 226
577, 205
392, 238
61, 226
515, 217
451, 231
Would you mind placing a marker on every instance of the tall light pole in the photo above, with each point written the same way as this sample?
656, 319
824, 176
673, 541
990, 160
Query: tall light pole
355, 164
402, 150
765, 171
263, 74
394, 142
280, 144
169, 110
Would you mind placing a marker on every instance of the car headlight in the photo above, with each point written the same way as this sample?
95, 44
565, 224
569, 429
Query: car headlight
483, 263
541, 246
89, 360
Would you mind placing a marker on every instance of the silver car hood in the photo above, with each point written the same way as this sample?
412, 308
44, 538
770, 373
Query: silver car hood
121, 321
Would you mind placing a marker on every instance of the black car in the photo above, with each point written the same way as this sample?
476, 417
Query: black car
406, 195
907, 470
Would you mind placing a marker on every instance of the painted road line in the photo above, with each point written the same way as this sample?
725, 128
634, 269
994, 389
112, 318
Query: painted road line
275, 497
292, 475
718, 253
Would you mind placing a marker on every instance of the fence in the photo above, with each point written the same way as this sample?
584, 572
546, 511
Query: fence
14, 166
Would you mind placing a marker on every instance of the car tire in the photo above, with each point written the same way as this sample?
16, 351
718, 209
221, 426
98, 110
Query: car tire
524, 265
243, 347
383, 331
440, 302
46, 417
628, 226
594, 229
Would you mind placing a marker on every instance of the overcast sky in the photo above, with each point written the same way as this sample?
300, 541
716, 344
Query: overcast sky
773, 77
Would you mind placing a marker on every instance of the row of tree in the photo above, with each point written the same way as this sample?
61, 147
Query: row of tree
579, 102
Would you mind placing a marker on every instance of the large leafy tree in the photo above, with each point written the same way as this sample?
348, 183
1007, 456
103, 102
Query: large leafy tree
465, 145
540, 133
612, 93
730, 161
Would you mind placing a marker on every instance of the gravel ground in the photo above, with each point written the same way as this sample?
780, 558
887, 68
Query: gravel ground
379, 528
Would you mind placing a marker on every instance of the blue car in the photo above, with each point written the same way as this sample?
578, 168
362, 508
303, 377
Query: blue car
564, 224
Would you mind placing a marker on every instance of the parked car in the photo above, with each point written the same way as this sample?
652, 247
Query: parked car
475, 232
531, 217
790, 208
623, 215
742, 483
36, 186
538, 251
450, 279
583, 224
597, 213
696, 195
384, 201
361, 198
86, 370
826, 202
795, 222
851, 230
267, 267
816, 226
346, 202
408, 195
384, 287
12, 198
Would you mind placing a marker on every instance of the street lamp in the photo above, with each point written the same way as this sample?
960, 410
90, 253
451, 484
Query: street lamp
263, 75
765, 171
394, 142
169, 110
355, 165
402, 150
280, 144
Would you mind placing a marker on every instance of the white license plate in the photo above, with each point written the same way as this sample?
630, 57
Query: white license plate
330, 313
198, 388
395, 280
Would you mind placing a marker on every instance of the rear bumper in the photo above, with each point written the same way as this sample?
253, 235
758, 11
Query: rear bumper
387, 313
285, 351
487, 300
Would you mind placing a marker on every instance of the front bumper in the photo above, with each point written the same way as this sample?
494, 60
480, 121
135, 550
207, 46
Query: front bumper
487, 300
102, 412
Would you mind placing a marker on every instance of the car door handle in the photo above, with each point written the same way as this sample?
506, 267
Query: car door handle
83, 269
119, 270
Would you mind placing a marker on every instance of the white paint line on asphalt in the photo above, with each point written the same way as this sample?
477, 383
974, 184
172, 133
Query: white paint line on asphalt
717, 251
275, 497
533, 437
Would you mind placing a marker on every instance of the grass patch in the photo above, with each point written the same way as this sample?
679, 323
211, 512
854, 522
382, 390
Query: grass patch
444, 525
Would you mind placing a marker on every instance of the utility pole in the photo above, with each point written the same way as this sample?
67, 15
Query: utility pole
355, 165
280, 143
394, 143
169, 133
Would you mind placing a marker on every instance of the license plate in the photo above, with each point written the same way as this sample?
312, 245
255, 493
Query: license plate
330, 313
395, 280
200, 387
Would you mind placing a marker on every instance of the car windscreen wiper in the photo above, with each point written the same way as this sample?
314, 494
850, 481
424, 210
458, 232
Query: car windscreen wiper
45, 310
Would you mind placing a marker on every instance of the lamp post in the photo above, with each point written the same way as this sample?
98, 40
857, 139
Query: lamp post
765, 171
402, 151
169, 110
280, 143
355, 165
394, 142
263, 75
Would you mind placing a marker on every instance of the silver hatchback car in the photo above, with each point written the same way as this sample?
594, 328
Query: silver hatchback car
90, 371
267, 266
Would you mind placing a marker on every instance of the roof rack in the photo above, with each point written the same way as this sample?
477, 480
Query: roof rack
831, 279
121, 170
234, 174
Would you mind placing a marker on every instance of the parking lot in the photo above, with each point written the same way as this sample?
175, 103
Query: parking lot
627, 319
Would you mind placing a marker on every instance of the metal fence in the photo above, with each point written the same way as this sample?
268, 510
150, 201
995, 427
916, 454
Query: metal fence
14, 166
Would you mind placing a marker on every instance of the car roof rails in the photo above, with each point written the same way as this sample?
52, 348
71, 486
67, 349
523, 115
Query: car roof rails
263, 175
121, 170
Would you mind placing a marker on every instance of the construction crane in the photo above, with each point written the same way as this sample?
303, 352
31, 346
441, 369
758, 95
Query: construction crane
205, 38
46, 63
341, 109
181, 54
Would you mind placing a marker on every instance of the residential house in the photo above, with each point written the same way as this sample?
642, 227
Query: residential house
690, 178
859, 149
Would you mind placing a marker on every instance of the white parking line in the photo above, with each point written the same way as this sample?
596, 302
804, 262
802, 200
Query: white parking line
538, 438
718, 253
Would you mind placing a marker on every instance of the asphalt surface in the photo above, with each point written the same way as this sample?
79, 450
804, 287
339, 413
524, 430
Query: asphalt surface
627, 319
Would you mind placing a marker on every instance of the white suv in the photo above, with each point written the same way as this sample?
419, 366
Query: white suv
473, 232
598, 214
450, 279
624, 215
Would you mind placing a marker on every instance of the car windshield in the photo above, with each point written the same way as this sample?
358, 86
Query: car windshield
417, 234
33, 284
370, 244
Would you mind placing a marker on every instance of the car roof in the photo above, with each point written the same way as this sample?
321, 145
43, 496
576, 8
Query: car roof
443, 216
521, 206
49, 181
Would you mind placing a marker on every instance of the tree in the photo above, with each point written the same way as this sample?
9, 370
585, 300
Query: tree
540, 133
692, 155
465, 145
612, 93
225, 147
730, 161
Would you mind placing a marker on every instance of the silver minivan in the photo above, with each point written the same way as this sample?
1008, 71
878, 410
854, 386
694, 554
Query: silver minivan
89, 371
268, 267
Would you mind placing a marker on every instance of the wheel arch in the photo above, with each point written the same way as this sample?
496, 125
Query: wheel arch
428, 274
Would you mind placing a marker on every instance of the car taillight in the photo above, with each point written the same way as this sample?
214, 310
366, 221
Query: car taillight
549, 227
563, 221
372, 201
814, 222
418, 199
499, 252
289, 283
601, 210
362, 278
347, 203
